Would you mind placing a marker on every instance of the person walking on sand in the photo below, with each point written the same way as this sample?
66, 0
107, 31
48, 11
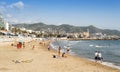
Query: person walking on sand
33, 47
48, 47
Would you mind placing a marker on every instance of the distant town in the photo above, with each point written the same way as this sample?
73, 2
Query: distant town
7, 29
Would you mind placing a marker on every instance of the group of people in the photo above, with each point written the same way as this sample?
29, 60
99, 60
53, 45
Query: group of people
63, 53
98, 56
60, 53
21, 45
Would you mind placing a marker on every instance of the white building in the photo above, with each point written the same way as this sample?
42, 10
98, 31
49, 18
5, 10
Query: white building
29, 31
6, 26
23, 29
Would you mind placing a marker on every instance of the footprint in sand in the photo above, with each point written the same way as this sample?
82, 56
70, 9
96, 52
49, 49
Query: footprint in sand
4, 69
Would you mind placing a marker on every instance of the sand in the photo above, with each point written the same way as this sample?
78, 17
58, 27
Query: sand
40, 59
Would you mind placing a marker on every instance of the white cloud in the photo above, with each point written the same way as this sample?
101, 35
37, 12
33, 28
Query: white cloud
18, 5
4, 6
7, 11
14, 20
8, 15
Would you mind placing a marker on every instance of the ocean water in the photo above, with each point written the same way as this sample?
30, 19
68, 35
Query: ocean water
110, 49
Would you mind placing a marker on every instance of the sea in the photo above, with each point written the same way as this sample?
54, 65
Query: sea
110, 50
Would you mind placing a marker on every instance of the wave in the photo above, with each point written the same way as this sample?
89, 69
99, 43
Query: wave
111, 65
98, 46
55, 47
107, 64
91, 45
73, 42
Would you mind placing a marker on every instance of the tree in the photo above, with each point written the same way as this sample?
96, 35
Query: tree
2, 28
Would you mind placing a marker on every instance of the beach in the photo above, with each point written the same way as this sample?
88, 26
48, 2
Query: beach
39, 59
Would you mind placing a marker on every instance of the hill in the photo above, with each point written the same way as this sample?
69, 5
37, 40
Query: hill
67, 28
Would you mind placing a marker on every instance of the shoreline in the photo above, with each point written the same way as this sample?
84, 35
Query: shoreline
90, 39
66, 38
105, 63
88, 61
45, 62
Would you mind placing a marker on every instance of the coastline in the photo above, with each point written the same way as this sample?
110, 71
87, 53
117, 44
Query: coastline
86, 60
91, 39
109, 64
44, 62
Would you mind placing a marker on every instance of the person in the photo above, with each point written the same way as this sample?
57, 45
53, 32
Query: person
100, 56
40, 43
96, 56
59, 48
68, 49
48, 47
19, 45
23, 44
12, 44
33, 47
54, 56
63, 54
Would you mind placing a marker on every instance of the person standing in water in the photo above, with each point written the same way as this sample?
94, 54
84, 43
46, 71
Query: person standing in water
68, 49
96, 56
100, 58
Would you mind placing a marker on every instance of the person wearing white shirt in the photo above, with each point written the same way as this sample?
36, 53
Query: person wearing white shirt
100, 56
96, 56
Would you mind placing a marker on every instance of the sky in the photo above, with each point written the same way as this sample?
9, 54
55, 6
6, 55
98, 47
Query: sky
103, 14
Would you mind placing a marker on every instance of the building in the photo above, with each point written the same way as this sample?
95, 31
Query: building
29, 31
1, 22
3, 25
6, 26
23, 29
86, 34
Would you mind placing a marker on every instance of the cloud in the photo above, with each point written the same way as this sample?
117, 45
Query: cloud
8, 15
18, 5
8, 10
14, 20
4, 7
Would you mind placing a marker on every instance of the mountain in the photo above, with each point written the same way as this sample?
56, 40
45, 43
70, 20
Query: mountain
67, 28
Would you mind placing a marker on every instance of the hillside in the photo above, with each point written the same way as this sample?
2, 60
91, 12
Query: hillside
67, 28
